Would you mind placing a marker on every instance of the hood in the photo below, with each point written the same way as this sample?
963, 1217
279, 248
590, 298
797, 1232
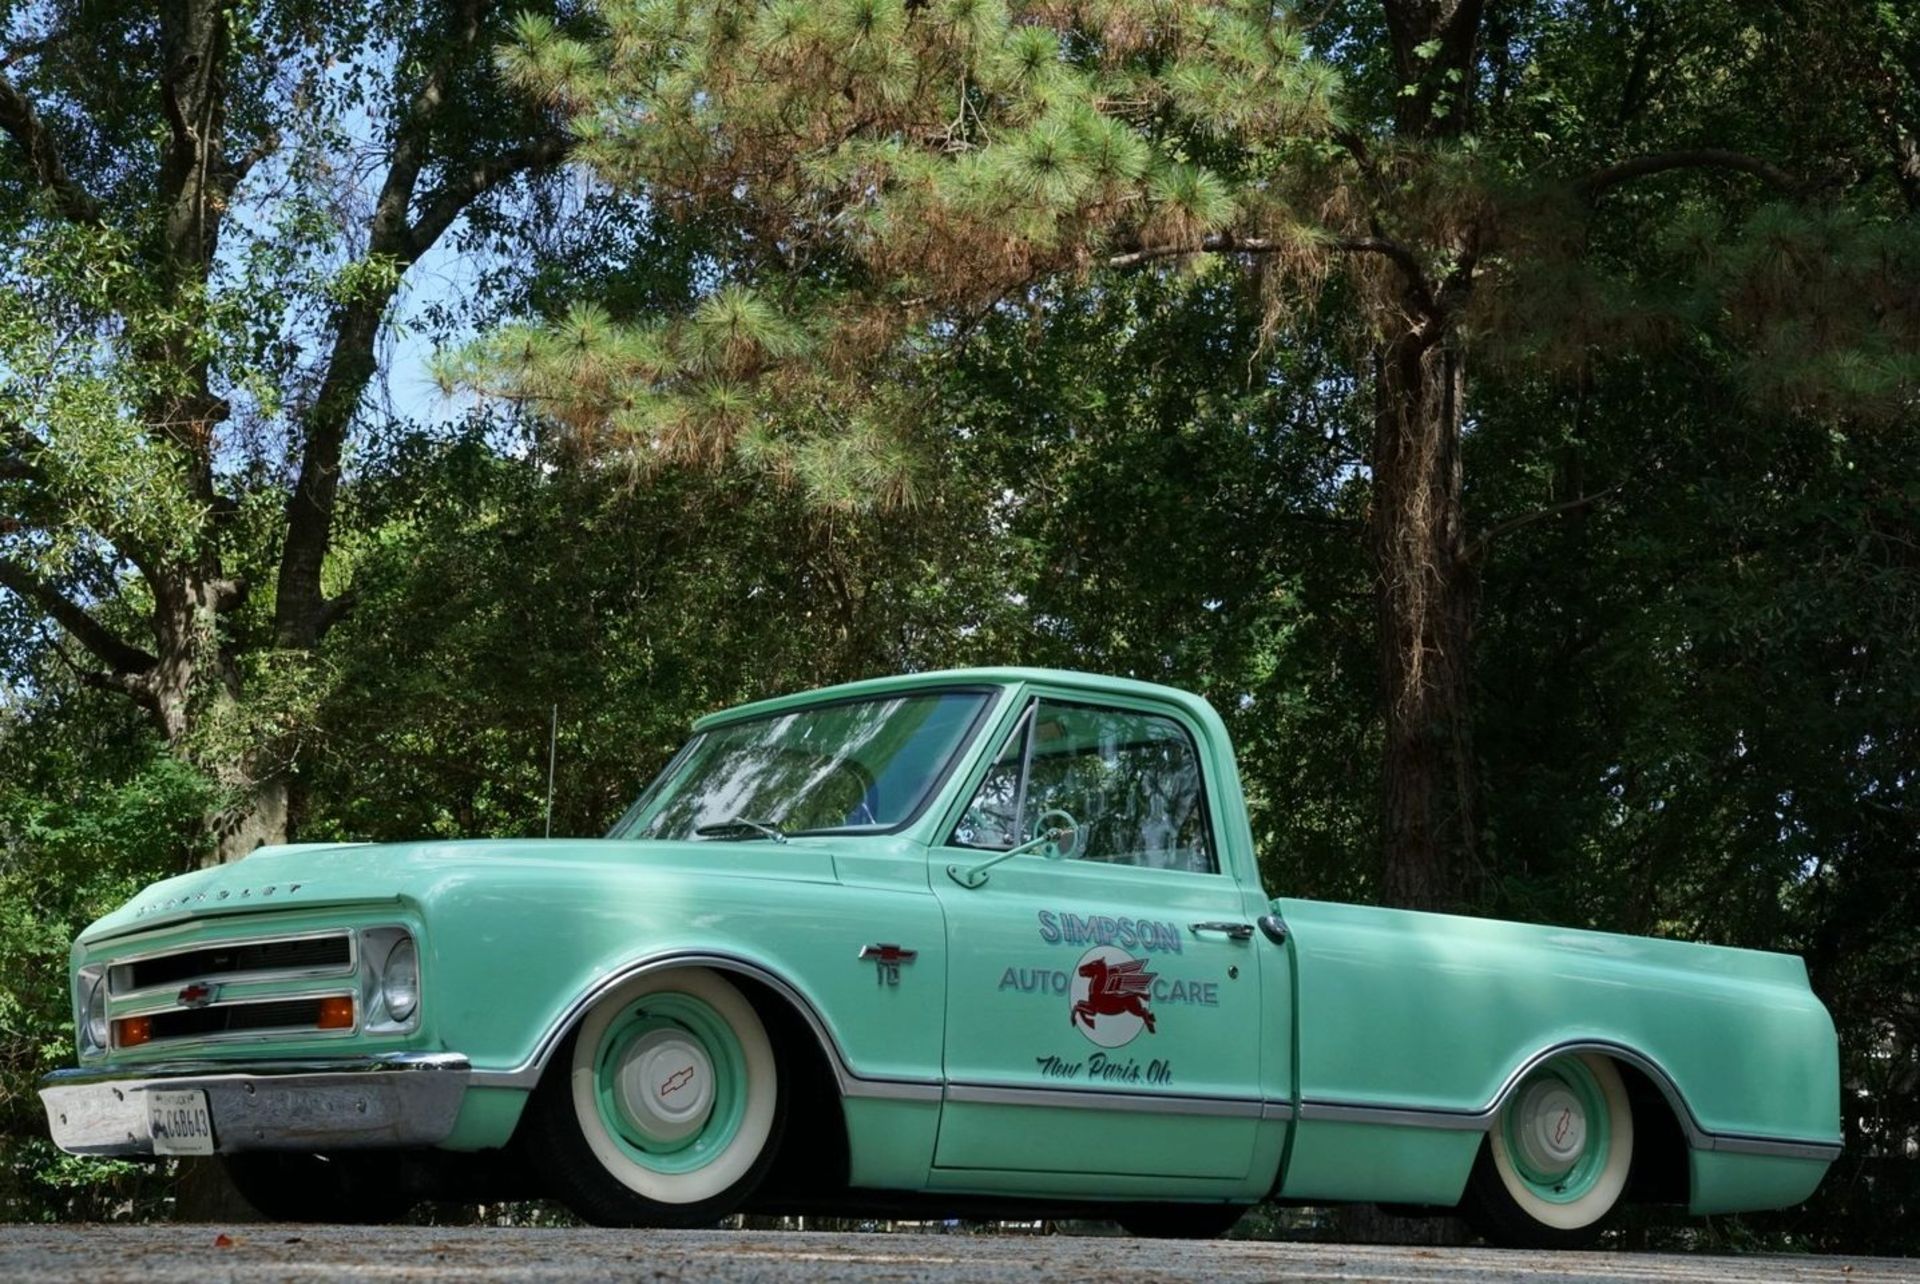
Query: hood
313, 875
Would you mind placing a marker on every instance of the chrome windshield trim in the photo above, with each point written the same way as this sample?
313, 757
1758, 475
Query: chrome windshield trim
991, 697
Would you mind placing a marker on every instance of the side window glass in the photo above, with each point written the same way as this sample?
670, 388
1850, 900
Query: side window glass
1131, 781
992, 818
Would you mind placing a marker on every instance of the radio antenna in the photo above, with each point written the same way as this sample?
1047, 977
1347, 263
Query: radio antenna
553, 742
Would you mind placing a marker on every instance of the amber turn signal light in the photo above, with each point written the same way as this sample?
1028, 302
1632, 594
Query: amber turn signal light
131, 1032
336, 1012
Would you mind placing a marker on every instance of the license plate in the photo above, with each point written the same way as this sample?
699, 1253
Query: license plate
179, 1122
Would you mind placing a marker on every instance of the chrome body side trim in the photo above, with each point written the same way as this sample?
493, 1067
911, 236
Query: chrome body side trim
1392, 1116
1780, 1148
988, 1094
1698, 1136
891, 1089
397, 1099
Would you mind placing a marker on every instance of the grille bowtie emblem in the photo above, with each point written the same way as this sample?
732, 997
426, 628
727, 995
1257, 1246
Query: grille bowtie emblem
197, 995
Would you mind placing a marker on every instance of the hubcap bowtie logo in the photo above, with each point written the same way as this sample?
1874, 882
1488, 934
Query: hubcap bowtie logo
676, 1081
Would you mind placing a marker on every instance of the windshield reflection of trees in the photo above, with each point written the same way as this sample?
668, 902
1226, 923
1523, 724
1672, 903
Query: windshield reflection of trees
865, 763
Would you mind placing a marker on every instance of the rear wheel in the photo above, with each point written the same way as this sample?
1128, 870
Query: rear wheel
1181, 1221
1557, 1158
663, 1109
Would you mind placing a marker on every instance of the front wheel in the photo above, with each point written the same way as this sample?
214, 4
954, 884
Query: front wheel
1557, 1157
663, 1109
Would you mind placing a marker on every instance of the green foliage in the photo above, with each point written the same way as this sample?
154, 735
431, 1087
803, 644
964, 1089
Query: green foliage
829, 378
91, 809
493, 590
906, 161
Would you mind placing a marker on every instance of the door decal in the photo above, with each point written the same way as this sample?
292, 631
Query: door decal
1112, 997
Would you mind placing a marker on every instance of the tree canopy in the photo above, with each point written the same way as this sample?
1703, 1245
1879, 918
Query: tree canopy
1504, 413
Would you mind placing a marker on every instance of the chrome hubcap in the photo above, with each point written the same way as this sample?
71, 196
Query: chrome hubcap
665, 1085
1552, 1129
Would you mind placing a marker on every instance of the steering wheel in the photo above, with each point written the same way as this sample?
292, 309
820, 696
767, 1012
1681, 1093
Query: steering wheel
1063, 837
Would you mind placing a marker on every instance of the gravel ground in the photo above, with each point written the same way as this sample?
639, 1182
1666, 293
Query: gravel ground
260, 1253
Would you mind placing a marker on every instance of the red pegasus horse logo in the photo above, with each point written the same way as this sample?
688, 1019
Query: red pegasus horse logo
1114, 989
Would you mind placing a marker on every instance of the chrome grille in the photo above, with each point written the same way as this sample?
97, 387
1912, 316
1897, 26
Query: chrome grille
270, 959
324, 983
233, 1018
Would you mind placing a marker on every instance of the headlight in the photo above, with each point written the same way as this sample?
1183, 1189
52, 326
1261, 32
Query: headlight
400, 980
93, 1014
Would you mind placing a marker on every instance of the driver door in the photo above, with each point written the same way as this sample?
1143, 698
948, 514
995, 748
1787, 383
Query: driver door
1098, 1019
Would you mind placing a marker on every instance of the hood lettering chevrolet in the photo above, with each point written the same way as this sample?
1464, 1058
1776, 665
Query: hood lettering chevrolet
190, 901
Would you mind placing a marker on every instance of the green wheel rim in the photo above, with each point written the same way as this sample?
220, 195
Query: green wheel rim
687, 1018
1557, 1131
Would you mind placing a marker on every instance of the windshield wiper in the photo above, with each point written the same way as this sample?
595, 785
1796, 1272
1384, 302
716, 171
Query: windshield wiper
741, 827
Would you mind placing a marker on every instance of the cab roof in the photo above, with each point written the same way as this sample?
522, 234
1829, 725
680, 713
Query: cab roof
1070, 679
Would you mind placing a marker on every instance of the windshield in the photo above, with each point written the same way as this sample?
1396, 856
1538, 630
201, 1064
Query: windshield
852, 765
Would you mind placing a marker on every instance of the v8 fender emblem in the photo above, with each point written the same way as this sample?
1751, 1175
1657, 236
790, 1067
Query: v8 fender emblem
887, 960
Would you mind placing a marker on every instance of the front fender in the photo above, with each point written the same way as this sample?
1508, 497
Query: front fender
518, 956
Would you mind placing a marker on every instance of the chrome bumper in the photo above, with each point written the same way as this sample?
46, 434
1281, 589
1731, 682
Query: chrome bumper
403, 1099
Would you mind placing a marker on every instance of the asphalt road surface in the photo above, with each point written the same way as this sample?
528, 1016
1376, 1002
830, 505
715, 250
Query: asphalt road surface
166, 1254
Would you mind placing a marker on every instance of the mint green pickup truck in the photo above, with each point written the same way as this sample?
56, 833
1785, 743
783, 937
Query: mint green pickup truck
989, 941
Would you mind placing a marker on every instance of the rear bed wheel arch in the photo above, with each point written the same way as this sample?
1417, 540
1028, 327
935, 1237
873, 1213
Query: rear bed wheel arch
1660, 1174
1696, 1137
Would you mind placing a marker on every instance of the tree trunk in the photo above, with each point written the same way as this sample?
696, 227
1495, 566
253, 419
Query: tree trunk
1424, 596
256, 817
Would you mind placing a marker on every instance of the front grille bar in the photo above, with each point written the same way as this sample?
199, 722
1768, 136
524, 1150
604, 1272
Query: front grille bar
325, 954
236, 1018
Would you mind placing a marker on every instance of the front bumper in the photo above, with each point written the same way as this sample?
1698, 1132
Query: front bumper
402, 1099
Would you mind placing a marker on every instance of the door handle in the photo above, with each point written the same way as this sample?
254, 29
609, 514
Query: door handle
1238, 931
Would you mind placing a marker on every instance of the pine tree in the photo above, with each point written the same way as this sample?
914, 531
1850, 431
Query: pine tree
892, 170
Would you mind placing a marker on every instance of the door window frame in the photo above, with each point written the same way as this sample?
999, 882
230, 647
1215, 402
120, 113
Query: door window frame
1024, 708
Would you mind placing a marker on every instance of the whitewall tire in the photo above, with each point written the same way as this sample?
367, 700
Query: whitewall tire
1557, 1158
665, 1106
